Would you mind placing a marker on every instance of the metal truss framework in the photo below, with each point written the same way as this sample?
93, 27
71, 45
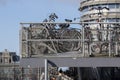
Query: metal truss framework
58, 40
69, 45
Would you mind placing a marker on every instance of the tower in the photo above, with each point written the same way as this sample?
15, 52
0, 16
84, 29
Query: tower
107, 10
102, 36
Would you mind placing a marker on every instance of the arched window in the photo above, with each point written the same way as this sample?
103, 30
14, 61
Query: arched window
0, 60
9, 60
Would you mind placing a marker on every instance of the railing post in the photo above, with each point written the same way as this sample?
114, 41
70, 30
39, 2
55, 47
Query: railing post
46, 69
116, 49
90, 52
83, 40
109, 43
38, 73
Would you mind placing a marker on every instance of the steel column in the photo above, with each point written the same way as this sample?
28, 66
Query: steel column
109, 44
116, 49
79, 74
90, 52
83, 40
46, 69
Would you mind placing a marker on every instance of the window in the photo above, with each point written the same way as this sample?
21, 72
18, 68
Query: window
9, 60
104, 5
111, 5
117, 20
117, 5
114, 20
85, 9
0, 60
6, 60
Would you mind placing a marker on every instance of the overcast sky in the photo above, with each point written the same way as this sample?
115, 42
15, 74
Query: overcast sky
12, 12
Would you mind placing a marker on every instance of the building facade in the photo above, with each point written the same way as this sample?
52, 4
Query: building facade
9, 65
7, 57
104, 34
107, 10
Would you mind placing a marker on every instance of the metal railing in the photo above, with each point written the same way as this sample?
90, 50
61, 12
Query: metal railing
87, 39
